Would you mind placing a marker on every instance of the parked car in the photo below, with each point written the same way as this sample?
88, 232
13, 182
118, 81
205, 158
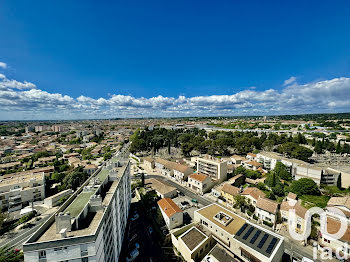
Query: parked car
136, 216
133, 254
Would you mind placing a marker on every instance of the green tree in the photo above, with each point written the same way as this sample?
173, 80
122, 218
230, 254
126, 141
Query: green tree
282, 171
304, 186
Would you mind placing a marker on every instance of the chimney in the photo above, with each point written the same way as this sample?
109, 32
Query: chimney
63, 221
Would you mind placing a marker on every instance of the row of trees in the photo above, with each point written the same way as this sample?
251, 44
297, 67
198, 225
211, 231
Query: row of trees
219, 142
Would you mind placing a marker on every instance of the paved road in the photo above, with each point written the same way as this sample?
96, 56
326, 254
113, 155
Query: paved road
18, 241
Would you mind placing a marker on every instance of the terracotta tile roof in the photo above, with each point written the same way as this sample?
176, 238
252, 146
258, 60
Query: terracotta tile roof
148, 159
172, 165
267, 205
169, 207
300, 211
254, 192
339, 201
251, 154
292, 196
232, 190
199, 177
333, 227
254, 163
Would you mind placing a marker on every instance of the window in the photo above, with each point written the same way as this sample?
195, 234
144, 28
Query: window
298, 226
85, 259
42, 254
83, 250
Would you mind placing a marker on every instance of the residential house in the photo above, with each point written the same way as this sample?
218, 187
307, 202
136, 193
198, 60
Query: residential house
288, 218
253, 194
148, 162
266, 210
90, 169
162, 189
172, 214
200, 183
251, 156
228, 192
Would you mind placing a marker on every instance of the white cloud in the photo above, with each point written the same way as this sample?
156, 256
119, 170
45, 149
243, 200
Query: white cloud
3, 65
22, 98
2, 76
289, 81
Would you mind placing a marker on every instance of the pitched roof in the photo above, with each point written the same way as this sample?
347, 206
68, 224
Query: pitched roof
333, 227
251, 154
160, 186
292, 196
254, 163
199, 177
169, 207
267, 205
148, 159
232, 190
172, 165
300, 211
339, 201
254, 192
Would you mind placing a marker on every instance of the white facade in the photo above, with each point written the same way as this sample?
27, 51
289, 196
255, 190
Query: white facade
102, 239
20, 190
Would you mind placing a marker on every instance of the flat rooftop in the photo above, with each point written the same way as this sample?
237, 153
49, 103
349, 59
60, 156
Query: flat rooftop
193, 237
89, 224
220, 254
18, 179
211, 211
258, 239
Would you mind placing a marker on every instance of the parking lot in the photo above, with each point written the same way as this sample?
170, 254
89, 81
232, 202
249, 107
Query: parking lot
186, 204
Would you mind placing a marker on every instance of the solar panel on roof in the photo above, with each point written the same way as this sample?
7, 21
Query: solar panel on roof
250, 230
263, 240
241, 229
271, 245
256, 235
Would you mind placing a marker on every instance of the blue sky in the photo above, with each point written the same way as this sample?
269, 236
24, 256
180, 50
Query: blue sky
83, 59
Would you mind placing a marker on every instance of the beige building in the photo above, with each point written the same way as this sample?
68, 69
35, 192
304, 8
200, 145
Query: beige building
172, 214
252, 194
162, 189
18, 191
148, 162
246, 241
200, 183
299, 218
212, 167
266, 210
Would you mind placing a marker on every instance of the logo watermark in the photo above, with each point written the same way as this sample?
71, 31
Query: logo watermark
300, 230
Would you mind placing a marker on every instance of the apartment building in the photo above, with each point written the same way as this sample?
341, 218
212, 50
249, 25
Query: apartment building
212, 167
90, 225
20, 190
172, 214
300, 169
244, 240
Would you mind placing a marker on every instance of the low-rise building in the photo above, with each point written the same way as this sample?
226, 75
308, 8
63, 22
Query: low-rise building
288, 217
253, 194
200, 183
162, 189
172, 214
90, 169
229, 192
148, 162
245, 240
266, 210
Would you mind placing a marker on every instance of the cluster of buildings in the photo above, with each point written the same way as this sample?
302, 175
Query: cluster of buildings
217, 233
